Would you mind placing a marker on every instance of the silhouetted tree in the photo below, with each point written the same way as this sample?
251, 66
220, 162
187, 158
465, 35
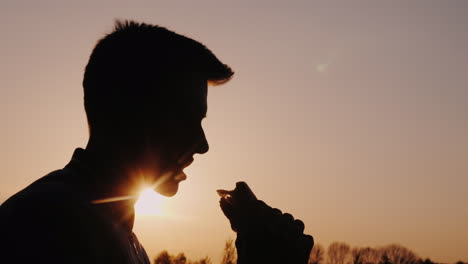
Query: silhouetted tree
163, 258
229, 255
317, 255
205, 260
338, 253
366, 255
384, 259
426, 261
179, 259
397, 254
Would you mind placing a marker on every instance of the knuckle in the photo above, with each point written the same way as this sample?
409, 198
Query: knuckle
309, 240
276, 211
288, 216
300, 225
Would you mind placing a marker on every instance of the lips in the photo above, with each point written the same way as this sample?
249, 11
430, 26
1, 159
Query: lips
180, 177
185, 163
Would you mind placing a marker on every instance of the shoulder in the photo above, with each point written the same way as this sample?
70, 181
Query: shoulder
47, 193
48, 218
46, 205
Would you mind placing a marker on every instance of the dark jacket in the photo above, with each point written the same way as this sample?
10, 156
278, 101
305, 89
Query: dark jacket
54, 220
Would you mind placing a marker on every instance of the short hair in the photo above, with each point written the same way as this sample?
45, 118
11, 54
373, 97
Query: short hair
137, 59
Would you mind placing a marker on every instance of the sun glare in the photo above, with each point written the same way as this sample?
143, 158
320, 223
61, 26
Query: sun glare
149, 203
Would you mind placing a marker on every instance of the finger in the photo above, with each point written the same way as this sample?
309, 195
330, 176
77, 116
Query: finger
261, 205
244, 191
230, 213
288, 218
299, 225
230, 201
287, 223
284, 227
275, 224
241, 185
223, 193
226, 207
304, 247
276, 212
308, 242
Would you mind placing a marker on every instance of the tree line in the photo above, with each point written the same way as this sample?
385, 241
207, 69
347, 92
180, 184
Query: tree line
336, 253
342, 253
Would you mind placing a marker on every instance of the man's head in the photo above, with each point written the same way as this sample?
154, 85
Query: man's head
145, 91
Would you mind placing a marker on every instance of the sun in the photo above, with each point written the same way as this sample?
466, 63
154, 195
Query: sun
150, 203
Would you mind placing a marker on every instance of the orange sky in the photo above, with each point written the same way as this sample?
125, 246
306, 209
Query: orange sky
350, 117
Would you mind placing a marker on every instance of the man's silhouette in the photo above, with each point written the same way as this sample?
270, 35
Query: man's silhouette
145, 95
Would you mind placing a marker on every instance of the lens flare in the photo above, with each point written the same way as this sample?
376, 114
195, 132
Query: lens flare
150, 203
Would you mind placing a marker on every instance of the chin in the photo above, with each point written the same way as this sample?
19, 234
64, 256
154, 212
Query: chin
168, 189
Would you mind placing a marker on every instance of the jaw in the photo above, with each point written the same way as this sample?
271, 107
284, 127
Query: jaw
168, 188
168, 184
162, 175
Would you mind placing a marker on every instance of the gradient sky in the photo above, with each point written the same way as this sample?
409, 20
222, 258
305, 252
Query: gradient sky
351, 115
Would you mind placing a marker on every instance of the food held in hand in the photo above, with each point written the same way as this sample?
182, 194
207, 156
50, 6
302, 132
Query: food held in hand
242, 193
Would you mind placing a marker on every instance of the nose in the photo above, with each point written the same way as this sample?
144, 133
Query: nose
202, 146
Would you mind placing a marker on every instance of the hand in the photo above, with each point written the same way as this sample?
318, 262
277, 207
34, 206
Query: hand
264, 234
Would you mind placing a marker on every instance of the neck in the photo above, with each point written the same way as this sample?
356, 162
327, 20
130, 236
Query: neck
118, 175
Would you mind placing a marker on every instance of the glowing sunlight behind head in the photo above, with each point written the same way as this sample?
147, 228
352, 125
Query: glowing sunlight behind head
150, 203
